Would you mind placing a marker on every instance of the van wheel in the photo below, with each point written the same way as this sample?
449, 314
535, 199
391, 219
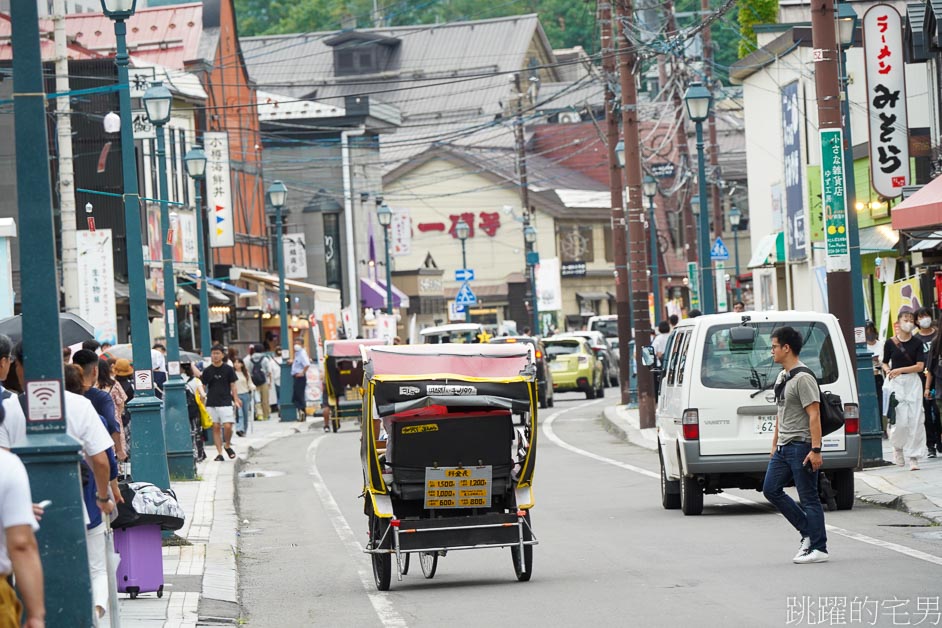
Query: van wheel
842, 481
601, 391
691, 495
670, 489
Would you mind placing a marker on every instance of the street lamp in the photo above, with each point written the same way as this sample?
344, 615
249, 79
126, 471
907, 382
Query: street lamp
533, 258
277, 196
463, 230
384, 216
870, 421
735, 217
149, 447
195, 163
157, 101
50, 454
649, 188
620, 153
698, 100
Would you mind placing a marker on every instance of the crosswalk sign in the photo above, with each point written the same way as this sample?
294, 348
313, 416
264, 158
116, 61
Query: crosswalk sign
719, 252
465, 296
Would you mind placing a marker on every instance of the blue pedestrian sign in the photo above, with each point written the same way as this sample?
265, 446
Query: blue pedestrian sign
465, 296
464, 274
719, 252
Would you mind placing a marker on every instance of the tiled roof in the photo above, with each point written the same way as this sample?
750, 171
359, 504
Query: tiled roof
75, 51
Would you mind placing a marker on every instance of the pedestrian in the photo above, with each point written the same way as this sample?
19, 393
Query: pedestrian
903, 360
220, 382
101, 400
195, 395
796, 448
246, 390
108, 384
875, 347
673, 319
91, 345
6, 361
260, 372
739, 306
19, 552
231, 354
928, 334
274, 376
694, 313
158, 360
299, 373
660, 340
66, 355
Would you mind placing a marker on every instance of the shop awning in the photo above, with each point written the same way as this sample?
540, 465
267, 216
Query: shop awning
255, 275
226, 287
593, 296
768, 250
188, 292
373, 295
878, 238
922, 210
928, 243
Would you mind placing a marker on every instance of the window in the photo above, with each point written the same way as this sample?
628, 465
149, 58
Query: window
727, 366
357, 58
682, 351
575, 244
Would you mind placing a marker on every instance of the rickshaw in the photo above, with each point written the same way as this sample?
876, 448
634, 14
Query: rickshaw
444, 467
343, 378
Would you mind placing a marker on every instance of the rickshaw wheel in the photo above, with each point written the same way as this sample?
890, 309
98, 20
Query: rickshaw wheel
382, 563
335, 424
405, 564
429, 562
526, 570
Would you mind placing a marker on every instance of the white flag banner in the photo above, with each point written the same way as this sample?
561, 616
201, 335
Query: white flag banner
295, 253
886, 100
219, 189
549, 285
96, 283
400, 233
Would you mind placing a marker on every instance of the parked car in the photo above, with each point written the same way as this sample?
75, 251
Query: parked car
574, 366
716, 412
544, 375
455, 332
611, 374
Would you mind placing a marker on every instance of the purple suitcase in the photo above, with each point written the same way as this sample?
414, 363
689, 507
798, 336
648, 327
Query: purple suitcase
141, 569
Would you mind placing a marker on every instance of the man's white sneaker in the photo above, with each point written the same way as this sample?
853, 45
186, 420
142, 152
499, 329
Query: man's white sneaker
805, 546
812, 556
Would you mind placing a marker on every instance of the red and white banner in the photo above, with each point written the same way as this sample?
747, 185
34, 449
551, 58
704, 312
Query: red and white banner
219, 190
886, 100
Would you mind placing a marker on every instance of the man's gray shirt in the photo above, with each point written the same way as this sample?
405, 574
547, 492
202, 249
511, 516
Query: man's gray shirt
801, 390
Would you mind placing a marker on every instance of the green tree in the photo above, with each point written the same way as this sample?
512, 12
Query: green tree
752, 12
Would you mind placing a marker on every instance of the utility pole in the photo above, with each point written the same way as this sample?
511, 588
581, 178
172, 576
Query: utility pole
530, 269
66, 178
827, 88
714, 148
619, 243
683, 148
635, 207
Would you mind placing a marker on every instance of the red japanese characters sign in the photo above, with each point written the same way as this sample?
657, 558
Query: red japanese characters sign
486, 222
886, 100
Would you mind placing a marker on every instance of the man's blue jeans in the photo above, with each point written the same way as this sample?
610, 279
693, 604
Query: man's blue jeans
807, 518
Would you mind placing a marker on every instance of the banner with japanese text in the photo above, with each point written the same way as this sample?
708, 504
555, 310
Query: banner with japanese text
219, 190
797, 240
96, 283
400, 233
886, 100
295, 256
834, 200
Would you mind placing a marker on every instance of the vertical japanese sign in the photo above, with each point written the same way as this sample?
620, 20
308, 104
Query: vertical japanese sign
332, 263
794, 195
693, 283
219, 189
886, 100
96, 283
548, 285
295, 256
834, 200
400, 233
720, 276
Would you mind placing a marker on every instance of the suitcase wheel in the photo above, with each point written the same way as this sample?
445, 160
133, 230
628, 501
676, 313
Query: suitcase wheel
160, 591
133, 591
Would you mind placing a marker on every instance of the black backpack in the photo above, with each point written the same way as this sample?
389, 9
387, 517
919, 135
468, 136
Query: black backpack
258, 375
192, 410
831, 406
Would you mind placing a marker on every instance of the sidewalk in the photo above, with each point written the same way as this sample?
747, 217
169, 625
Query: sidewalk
916, 492
200, 579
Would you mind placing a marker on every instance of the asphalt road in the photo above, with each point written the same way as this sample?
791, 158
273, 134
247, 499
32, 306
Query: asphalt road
608, 553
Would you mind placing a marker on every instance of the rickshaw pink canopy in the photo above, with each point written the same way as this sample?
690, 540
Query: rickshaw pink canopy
466, 360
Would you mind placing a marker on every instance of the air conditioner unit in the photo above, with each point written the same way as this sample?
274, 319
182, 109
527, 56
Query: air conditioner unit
909, 190
569, 117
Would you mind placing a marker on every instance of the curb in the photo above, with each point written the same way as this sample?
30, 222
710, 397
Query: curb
632, 435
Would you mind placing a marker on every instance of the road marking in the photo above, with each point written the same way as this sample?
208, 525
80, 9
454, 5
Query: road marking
381, 603
850, 534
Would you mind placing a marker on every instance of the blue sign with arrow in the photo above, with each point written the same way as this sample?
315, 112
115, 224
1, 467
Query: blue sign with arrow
464, 274
719, 252
465, 296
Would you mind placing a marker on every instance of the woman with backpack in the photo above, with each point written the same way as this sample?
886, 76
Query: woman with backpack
193, 388
245, 388
258, 371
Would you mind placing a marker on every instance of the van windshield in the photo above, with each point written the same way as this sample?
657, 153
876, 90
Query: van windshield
608, 327
730, 366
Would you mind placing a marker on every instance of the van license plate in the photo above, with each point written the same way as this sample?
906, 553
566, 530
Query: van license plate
765, 424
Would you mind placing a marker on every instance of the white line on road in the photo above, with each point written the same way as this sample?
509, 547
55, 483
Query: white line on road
381, 603
856, 536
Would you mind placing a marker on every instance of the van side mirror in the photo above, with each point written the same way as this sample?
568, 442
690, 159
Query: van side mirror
742, 336
647, 355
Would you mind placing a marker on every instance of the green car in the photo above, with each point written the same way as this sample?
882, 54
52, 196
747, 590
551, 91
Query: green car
574, 366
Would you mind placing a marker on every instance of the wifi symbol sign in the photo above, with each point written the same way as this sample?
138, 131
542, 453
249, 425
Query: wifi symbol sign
143, 380
44, 394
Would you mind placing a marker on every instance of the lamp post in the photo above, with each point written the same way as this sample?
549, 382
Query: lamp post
277, 196
157, 103
735, 217
149, 447
384, 215
50, 454
463, 230
649, 187
195, 162
698, 100
533, 258
871, 431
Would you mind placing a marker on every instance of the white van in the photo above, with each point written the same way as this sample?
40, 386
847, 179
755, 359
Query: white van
455, 332
716, 410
